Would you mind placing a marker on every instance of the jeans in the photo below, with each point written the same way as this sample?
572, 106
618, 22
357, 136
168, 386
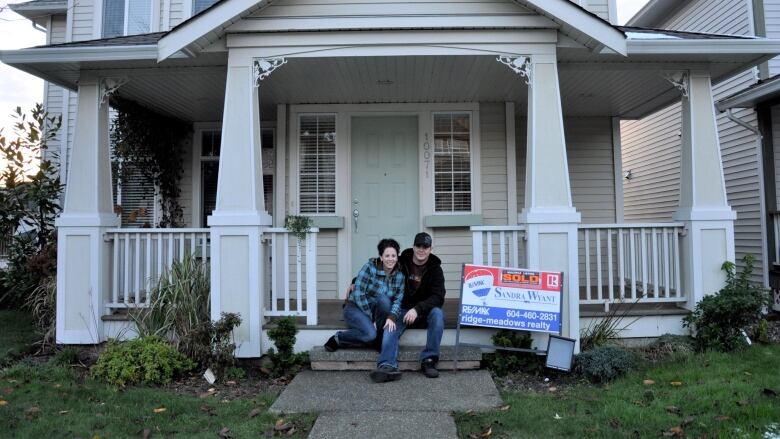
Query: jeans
361, 327
435, 323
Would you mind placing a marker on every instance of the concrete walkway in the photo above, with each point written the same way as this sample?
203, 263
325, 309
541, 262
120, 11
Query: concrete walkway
350, 405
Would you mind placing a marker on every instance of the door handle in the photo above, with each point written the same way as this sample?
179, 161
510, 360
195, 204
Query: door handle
355, 215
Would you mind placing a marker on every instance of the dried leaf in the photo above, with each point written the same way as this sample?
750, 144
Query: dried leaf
225, 433
470, 413
64, 412
676, 383
231, 383
673, 409
283, 426
503, 408
32, 412
557, 416
3, 402
486, 433
648, 382
614, 423
254, 412
552, 389
57, 386
265, 371
159, 409
677, 431
7, 390
291, 431
742, 402
146, 434
722, 418
688, 420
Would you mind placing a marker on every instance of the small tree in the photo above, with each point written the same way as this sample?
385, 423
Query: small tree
30, 192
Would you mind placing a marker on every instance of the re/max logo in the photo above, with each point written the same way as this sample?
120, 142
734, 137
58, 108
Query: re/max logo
520, 277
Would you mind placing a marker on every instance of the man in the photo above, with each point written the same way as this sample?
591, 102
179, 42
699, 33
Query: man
421, 307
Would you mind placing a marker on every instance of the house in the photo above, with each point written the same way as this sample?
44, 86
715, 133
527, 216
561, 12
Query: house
493, 125
651, 145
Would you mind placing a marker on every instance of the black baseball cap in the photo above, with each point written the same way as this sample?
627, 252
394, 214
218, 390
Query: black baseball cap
422, 239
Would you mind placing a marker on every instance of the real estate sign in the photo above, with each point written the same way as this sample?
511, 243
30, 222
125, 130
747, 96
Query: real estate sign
511, 298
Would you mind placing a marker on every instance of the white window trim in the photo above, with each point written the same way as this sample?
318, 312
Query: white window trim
471, 159
295, 176
197, 142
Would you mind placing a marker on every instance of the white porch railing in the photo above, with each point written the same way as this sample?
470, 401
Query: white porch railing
503, 246
140, 256
629, 262
286, 293
776, 225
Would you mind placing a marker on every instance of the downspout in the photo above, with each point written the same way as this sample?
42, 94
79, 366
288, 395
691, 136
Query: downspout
766, 263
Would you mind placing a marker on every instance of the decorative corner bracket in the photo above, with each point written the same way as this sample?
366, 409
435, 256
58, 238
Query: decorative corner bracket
109, 86
679, 80
519, 64
263, 67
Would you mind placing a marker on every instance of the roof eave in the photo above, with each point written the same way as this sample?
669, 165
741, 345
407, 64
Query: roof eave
704, 46
36, 11
572, 15
78, 54
751, 97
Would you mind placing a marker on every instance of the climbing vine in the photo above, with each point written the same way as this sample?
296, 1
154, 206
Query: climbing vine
154, 144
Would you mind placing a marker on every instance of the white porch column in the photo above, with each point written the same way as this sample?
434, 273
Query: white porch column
709, 221
551, 220
83, 256
238, 220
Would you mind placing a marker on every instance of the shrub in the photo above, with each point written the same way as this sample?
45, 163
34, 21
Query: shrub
669, 345
210, 344
179, 302
147, 360
604, 363
283, 360
719, 320
505, 362
42, 305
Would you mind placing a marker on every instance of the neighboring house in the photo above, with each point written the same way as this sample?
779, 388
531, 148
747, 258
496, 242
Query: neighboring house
494, 125
651, 145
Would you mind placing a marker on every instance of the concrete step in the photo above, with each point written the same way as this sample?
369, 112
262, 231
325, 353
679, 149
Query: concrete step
408, 358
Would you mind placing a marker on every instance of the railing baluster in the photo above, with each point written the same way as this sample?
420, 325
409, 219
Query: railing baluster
667, 265
298, 275
311, 279
776, 222
502, 247
621, 265
115, 269
137, 269
588, 291
126, 271
632, 252
611, 282
274, 277
654, 261
286, 262
514, 248
677, 285
490, 248
599, 283
644, 250
148, 265
476, 249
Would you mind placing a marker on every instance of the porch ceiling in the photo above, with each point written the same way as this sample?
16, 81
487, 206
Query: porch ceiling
193, 89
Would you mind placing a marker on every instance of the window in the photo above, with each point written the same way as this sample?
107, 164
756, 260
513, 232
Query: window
199, 6
134, 196
452, 162
210, 142
126, 17
317, 175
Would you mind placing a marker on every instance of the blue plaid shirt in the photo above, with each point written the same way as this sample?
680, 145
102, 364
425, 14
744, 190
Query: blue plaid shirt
372, 281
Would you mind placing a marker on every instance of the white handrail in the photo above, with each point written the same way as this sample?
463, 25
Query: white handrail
510, 241
302, 265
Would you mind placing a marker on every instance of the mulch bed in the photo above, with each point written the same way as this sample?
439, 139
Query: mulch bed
254, 383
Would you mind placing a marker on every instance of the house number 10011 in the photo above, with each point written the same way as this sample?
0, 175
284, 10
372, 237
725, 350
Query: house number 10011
427, 156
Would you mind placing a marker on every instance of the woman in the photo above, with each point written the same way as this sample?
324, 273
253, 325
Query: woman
376, 300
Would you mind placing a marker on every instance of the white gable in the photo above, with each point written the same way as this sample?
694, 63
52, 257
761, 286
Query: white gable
300, 15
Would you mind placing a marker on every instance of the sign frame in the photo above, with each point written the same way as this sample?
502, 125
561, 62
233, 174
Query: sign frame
460, 312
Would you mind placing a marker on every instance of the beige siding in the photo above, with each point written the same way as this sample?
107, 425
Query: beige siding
57, 31
776, 151
185, 197
651, 146
591, 167
327, 267
493, 156
83, 23
453, 247
177, 13
772, 22
600, 8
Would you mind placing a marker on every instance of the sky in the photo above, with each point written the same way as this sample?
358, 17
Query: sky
20, 89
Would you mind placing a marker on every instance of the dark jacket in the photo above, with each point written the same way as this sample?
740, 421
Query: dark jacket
430, 293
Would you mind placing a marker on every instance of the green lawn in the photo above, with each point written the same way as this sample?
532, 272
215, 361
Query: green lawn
17, 334
53, 401
706, 395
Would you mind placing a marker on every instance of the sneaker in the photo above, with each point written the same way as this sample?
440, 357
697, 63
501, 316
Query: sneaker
385, 373
428, 368
332, 345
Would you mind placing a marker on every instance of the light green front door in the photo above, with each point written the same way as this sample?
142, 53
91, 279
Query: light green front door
385, 190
